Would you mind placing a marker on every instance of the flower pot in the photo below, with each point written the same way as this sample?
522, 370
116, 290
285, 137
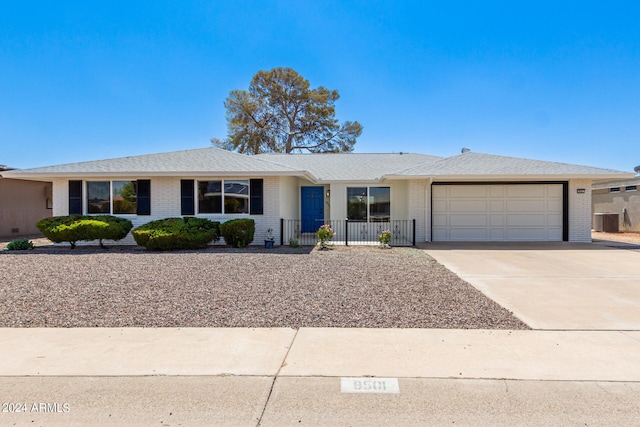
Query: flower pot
268, 244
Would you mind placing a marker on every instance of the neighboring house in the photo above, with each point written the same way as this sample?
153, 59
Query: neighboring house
621, 197
22, 204
420, 198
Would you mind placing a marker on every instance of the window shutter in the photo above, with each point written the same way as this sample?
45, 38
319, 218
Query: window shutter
143, 197
186, 197
256, 190
75, 197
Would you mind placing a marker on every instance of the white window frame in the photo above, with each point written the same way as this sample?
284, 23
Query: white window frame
85, 201
368, 198
222, 195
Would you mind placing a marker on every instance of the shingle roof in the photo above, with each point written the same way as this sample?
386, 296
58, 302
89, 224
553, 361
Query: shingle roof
329, 167
350, 166
186, 162
477, 164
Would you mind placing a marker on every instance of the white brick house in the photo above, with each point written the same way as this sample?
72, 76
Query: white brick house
421, 198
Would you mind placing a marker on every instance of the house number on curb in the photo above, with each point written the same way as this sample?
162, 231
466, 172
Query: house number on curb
369, 385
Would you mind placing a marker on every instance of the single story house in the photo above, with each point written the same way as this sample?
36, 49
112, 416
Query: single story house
419, 198
618, 197
22, 204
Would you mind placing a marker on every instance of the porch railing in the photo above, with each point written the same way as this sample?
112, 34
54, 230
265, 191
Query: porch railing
403, 232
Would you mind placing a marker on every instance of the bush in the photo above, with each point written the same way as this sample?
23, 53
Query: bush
238, 232
20, 245
177, 233
75, 228
385, 238
324, 234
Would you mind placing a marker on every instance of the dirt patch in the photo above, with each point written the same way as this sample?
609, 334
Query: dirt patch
626, 237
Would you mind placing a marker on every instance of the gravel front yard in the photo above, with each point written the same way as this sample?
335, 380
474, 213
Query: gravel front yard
285, 287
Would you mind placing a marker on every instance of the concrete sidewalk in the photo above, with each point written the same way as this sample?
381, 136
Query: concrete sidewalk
327, 352
224, 376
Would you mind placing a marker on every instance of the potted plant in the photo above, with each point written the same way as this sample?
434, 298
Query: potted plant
268, 242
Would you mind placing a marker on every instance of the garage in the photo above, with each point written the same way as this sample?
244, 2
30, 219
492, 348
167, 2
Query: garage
516, 212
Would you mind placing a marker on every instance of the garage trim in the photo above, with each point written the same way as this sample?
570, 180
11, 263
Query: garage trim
565, 198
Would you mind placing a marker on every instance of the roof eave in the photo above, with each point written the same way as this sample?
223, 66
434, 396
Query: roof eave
348, 181
396, 176
52, 175
511, 177
528, 177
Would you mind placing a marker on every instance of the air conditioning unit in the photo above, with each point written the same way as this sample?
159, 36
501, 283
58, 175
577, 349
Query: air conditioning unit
606, 222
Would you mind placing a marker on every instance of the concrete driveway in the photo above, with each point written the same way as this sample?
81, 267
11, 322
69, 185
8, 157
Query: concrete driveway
565, 286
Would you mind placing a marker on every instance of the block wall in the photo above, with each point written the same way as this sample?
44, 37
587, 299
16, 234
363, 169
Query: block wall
420, 209
580, 211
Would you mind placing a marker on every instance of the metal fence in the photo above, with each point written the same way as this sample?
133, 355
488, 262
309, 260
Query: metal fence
403, 232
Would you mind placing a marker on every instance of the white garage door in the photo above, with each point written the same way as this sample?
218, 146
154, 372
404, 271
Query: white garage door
522, 212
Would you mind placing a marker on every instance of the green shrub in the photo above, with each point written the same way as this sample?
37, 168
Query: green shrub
385, 238
324, 234
238, 232
74, 228
20, 245
177, 233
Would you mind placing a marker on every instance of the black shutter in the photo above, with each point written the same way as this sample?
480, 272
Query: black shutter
186, 197
256, 190
143, 194
75, 197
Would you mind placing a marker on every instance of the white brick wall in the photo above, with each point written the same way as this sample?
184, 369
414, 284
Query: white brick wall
579, 211
165, 203
419, 198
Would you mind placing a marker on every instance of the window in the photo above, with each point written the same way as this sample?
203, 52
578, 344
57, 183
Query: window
236, 196
379, 204
124, 197
98, 198
614, 190
357, 203
229, 196
112, 197
372, 204
631, 188
210, 197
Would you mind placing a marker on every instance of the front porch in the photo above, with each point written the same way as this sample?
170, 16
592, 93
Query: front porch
349, 232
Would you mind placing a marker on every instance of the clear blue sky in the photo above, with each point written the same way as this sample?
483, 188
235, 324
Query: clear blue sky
87, 80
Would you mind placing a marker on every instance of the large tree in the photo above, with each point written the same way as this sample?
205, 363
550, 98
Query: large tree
280, 113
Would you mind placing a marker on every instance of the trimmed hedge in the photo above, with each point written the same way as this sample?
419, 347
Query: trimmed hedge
74, 228
238, 232
177, 233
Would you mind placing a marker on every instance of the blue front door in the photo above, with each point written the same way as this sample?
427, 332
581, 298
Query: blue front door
312, 208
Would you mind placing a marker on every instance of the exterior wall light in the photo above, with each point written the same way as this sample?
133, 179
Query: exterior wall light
581, 190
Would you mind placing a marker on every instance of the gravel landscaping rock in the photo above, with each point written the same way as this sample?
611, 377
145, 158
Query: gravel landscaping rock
253, 287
